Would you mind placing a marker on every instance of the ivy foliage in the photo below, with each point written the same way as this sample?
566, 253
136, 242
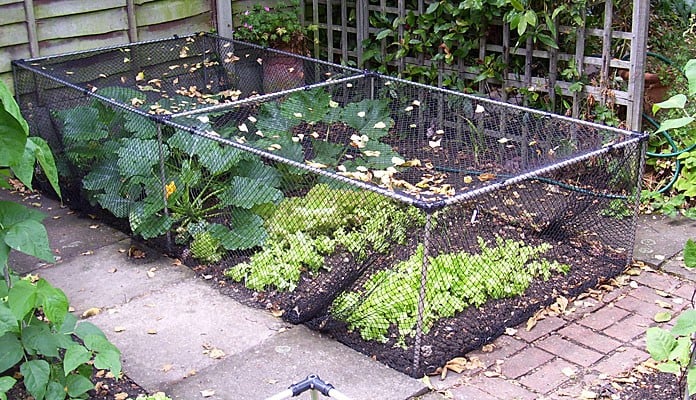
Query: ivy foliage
455, 281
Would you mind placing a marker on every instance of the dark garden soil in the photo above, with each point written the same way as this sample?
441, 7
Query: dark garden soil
651, 386
105, 388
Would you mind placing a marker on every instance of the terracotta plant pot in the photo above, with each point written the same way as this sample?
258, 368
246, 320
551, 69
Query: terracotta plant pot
655, 91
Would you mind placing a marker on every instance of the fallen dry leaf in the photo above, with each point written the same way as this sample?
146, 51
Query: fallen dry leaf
510, 331
151, 331
87, 253
167, 367
663, 304
121, 396
91, 312
119, 329
207, 393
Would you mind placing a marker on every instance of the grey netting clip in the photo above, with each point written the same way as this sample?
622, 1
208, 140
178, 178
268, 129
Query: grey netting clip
313, 383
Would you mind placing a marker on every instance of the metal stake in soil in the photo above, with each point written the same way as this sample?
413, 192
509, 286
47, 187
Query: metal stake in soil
421, 295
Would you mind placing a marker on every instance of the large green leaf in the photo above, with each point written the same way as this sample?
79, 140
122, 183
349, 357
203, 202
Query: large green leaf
306, 106
12, 213
254, 168
8, 322
690, 254
107, 355
138, 157
38, 337
11, 351
13, 139
370, 117
690, 72
10, 106
104, 175
36, 374
22, 298
44, 156
247, 231
660, 343
82, 124
78, 385
118, 205
246, 192
272, 122
140, 127
675, 123
686, 324
53, 302
327, 152
55, 391
6, 383
121, 94
30, 237
75, 356
85, 329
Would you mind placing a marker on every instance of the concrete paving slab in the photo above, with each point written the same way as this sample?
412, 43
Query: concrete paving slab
107, 278
69, 234
289, 357
659, 238
165, 335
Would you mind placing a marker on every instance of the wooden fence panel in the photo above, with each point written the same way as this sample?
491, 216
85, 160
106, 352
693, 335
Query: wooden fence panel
33, 28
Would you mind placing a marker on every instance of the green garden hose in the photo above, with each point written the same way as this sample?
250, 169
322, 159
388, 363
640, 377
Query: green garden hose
675, 150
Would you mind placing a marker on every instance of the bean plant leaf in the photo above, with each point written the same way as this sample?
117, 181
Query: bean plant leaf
6, 383
30, 237
36, 374
660, 343
75, 356
674, 123
686, 323
690, 72
690, 254
107, 355
11, 351
77, 385
43, 154
11, 107
13, 139
55, 390
246, 192
54, 302
22, 298
12, 213
38, 337
85, 329
8, 322
676, 101
670, 367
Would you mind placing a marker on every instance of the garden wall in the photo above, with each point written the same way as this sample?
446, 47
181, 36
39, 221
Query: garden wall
409, 222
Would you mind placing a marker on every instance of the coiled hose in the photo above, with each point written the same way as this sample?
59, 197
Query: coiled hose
675, 153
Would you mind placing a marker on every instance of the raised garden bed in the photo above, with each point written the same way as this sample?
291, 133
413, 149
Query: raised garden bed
409, 222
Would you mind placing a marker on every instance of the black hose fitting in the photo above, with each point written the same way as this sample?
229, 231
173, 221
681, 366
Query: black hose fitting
311, 382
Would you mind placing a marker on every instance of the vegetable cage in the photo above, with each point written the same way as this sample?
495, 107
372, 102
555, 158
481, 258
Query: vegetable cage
409, 222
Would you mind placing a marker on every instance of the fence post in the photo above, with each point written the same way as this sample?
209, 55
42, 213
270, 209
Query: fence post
636, 82
422, 293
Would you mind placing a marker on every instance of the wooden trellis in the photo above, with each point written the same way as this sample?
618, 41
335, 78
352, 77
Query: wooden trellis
344, 24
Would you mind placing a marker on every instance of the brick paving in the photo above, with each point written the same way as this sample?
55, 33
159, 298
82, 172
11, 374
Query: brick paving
599, 338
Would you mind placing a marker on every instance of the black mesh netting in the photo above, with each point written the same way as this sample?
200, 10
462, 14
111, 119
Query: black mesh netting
411, 223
